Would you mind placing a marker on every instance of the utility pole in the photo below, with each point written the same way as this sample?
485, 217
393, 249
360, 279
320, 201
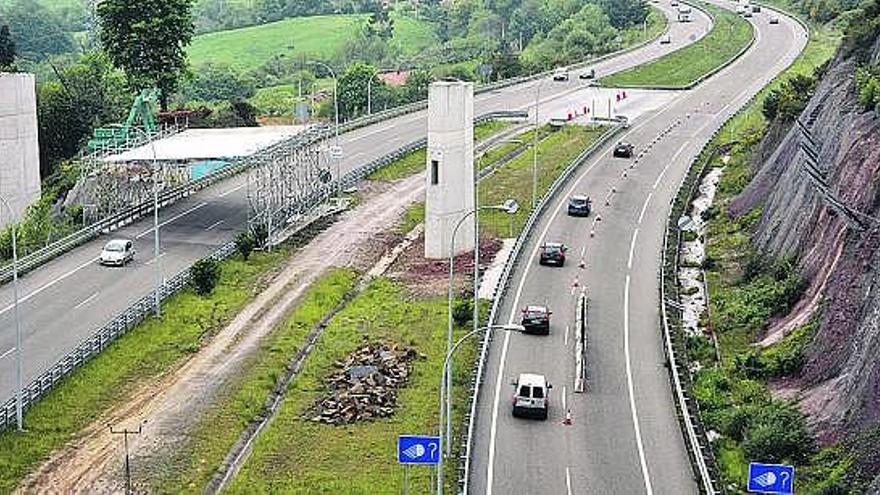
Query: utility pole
125, 433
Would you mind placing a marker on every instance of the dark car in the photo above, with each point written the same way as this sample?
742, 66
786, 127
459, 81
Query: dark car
553, 253
536, 319
756, 8
623, 150
774, 20
579, 206
588, 74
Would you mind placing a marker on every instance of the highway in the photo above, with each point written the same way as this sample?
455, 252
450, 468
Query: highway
69, 298
625, 438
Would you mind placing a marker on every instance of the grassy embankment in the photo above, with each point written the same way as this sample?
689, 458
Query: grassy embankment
729, 35
318, 37
746, 291
154, 347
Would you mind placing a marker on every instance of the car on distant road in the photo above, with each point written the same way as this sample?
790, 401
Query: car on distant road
560, 75
665, 40
756, 8
552, 253
774, 20
747, 13
673, 3
579, 205
531, 396
536, 319
588, 74
117, 252
623, 150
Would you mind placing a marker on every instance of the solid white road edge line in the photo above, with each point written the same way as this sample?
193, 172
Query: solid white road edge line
632, 247
568, 480
10, 351
87, 300
629, 385
50, 284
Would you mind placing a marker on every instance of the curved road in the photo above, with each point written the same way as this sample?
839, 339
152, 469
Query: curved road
68, 299
625, 438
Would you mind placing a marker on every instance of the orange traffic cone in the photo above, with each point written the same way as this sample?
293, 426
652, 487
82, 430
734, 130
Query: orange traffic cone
582, 264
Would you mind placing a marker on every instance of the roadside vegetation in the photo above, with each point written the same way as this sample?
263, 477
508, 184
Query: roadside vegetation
152, 348
679, 69
243, 399
747, 289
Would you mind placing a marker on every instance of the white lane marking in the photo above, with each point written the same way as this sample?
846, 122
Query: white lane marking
632, 248
227, 193
494, 429
670, 162
584, 251
50, 284
155, 258
629, 385
645, 207
564, 402
172, 219
568, 480
218, 222
565, 340
10, 351
87, 300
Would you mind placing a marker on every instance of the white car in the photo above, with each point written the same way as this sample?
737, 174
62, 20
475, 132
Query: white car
560, 75
117, 252
665, 40
530, 397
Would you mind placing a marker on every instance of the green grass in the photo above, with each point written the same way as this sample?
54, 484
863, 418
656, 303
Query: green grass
296, 455
413, 216
636, 34
488, 129
152, 348
318, 37
729, 35
243, 398
514, 180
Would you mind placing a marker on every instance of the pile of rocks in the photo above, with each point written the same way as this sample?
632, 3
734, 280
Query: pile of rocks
365, 384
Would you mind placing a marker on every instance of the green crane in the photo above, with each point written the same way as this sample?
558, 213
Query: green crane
114, 136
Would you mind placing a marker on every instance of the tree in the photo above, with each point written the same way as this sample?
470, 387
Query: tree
212, 82
245, 244
353, 90
36, 31
624, 13
416, 86
147, 39
7, 48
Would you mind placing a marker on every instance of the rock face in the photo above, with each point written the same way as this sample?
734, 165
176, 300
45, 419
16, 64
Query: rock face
365, 385
824, 217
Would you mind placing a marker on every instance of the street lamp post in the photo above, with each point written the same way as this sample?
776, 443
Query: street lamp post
17, 315
535, 145
445, 379
336, 127
477, 170
510, 206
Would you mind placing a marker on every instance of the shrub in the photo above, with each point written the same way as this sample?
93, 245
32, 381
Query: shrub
462, 312
245, 244
777, 432
205, 274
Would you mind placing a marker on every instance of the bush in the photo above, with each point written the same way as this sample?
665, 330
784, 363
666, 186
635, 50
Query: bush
245, 244
205, 274
777, 433
462, 312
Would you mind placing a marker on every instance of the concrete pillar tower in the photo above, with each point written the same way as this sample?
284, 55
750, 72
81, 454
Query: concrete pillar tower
19, 151
449, 194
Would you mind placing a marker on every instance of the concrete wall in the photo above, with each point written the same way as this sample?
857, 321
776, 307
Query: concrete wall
450, 166
19, 152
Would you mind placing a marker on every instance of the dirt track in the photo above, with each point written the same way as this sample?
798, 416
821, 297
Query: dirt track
171, 404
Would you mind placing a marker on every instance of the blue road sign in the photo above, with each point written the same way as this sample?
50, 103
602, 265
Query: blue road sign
418, 449
771, 478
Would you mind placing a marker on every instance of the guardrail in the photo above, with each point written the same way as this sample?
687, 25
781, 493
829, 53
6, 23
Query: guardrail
136, 313
500, 290
580, 353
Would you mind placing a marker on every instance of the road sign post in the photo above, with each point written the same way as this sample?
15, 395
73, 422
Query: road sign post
418, 449
771, 478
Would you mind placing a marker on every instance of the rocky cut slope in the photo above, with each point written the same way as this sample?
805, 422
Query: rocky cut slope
826, 213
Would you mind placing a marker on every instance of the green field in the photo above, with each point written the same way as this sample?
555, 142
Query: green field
318, 37
729, 35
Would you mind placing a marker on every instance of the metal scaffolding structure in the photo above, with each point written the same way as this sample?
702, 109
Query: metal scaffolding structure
286, 181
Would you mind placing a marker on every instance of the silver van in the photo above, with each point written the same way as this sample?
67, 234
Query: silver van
531, 396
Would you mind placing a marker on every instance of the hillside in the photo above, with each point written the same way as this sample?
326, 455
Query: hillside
317, 37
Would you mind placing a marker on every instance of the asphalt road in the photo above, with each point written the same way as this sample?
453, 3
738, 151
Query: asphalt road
68, 299
625, 438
